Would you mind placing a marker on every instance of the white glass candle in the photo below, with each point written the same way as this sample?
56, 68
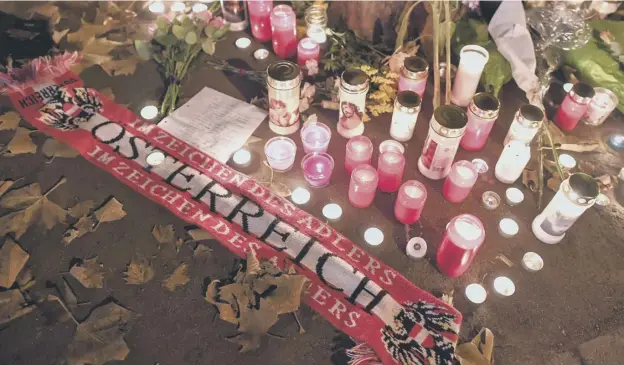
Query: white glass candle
476, 293
512, 162
514, 196
280, 153
526, 123
404, 116
471, 63
316, 23
601, 106
504, 286
374, 236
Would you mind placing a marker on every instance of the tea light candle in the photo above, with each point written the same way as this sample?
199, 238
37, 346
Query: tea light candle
566, 161
243, 42
242, 157
261, 54
157, 7
373, 236
178, 6
315, 137
532, 262
514, 196
155, 158
332, 211
364, 180
280, 153
149, 112
490, 200
508, 228
460, 181
504, 286
359, 152
462, 239
199, 7
391, 145
307, 50
410, 202
390, 167
317, 169
471, 63
300, 196
476, 293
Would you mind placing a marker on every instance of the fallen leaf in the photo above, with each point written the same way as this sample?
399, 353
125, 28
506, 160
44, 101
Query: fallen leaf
164, 234
5, 185
226, 311
198, 234
530, 179
479, 351
34, 207
24, 278
49, 11
53, 148
179, 243
179, 277
257, 318
12, 306
248, 342
119, 67
68, 295
202, 251
84, 225
21, 142
81, 208
90, 274
58, 36
99, 339
285, 291
9, 121
109, 212
139, 271
553, 183
12, 260
108, 92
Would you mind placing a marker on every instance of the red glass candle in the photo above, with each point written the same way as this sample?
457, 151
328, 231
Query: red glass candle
574, 106
359, 152
284, 31
362, 187
307, 50
460, 181
390, 167
482, 113
410, 202
461, 241
414, 75
260, 19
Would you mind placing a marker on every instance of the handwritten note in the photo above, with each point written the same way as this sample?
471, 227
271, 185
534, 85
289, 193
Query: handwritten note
215, 123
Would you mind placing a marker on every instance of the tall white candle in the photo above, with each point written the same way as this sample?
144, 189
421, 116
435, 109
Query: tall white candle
471, 63
512, 161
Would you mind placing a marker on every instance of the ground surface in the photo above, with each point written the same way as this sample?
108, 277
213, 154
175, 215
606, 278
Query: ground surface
578, 296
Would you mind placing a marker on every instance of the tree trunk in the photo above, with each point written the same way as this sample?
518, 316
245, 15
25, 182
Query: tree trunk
374, 21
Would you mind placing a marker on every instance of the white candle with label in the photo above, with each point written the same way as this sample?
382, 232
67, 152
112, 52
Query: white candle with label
476, 293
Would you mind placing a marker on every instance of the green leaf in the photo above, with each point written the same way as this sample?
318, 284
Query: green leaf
166, 40
179, 31
191, 38
208, 47
162, 24
221, 32
210, 30
404, 24
497, 71
143, 49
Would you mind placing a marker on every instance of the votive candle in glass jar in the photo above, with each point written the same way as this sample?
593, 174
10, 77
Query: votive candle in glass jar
525, 125
280, 153
446, 129
390, 167
260, 19
405, 115
284, 31
482, 113
463, 237
317, 169
601, 105
472, 60
512, 161
316, 23
362, 187
574, 106
307, 49
283, 80
315, 137
575, 195
359, 152
410, 202
460, 181
414, 75
353, 88
234, 14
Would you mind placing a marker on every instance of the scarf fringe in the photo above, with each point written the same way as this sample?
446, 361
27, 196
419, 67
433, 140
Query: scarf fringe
37, 71
363, 354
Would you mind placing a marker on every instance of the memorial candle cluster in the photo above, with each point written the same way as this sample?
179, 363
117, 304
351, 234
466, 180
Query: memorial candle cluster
284, 31
364, 180
260, 19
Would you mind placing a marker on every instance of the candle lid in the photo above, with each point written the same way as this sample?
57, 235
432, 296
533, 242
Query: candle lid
582, 93
408, 99
316, 14
581, 188
391, 144
416, 248
449, 121
354, 80
530, 115
283, 75
415, 67
485, 105
532, 262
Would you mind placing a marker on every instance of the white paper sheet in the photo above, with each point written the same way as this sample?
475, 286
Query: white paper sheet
214, 123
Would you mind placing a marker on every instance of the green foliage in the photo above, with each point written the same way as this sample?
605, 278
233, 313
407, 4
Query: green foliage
347, 51
403, 24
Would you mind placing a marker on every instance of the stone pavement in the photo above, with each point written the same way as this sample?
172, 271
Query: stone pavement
602, 350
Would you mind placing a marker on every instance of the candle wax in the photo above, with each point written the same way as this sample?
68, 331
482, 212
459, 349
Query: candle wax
409, 203
390, 167
458, 184
417, 86
459, 246
317, 169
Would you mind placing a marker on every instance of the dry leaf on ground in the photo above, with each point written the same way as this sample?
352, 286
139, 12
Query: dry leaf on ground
199, 234
58, 36
33, 207
81, 208
84, 225
21, 142
99, 338
109, 212
164, 234
179, 277
202, 251
12, 260
68, 295
248, 342
120, 67
90, 274
9, 121
139, 271
12, 306
530, 179
5, 185
25, 278
53, 148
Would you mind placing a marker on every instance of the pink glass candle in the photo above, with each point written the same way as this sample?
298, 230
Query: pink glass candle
462, 239
260, 19
359, 152
410, 202
364, 180
284, 31
317, 169
315, 137
460, 181
482, 113
390, 167
307, 50
414, 75
574, 106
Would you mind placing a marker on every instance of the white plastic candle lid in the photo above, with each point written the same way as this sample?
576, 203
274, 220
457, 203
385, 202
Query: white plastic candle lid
261, 54
476, 293
508, 227
481, 166
332, 211
155, 158
243, 42
416, 248
373, 236
300, 196
149, 112
514, 196
504, 286
391, 144
532, 262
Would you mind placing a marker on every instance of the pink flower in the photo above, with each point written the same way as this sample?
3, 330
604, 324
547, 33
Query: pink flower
205, 16
217, 22
312, 66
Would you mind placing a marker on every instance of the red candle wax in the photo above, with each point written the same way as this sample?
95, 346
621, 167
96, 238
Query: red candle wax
260, 19
284, 31
359, 152
410, 202
390, 167
362, 187
460, 181
462, 239
307, 50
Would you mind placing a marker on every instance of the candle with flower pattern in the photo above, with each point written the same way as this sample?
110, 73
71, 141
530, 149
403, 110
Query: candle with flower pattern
284, 31
460, 181
364, 180
410, 202
283, 80
463, 237
260, 19
359, 152
390, 167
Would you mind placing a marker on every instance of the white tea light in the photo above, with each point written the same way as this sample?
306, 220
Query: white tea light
243, 42
149, 112
532, 262
332, 211
504, 286
178, 6
157, 7
242, 157
199, 7
566, 161
508, 227
476, 293
373, 236
261, 54
300, 196
155, 158
416, 248
567, 87
514, 196
490, 200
